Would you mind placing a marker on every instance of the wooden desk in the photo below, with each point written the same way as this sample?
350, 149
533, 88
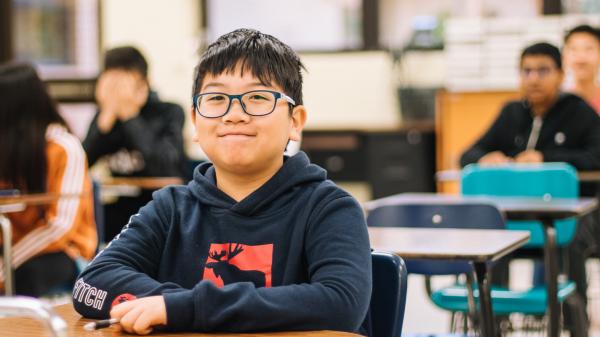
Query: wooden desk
7, 201
115, 187
149, 183
455, 176
589, 176
484, 245
519, 208
28, 327
17, 203
479, 246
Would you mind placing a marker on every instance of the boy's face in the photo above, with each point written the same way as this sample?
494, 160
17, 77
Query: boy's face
540, 79
582, 55
240, 143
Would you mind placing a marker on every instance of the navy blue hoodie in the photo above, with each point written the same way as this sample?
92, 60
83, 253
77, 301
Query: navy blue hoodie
293, 255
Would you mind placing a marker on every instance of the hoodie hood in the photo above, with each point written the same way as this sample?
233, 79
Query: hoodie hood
296, 171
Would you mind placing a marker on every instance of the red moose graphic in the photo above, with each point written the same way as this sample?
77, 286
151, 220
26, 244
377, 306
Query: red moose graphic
233, 262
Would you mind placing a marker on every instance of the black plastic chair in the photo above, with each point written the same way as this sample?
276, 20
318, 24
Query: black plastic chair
388, 298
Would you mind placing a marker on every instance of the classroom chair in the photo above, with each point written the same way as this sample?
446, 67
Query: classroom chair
388, 298
442, 214
547, 180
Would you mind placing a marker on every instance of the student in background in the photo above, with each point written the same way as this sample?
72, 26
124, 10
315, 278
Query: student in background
258, 240
39, 155
546, 126
581, 56
138, 134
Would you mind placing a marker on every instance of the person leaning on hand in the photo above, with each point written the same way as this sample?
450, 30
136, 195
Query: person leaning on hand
134, 131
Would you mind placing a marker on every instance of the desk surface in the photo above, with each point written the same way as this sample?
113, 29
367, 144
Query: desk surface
456, 175
34, 199
515, 208
477, 245
115, 187
17, 203
27, 327
150, 183
589, 176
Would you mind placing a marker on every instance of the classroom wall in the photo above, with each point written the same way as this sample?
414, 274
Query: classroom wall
169, 35
351, 90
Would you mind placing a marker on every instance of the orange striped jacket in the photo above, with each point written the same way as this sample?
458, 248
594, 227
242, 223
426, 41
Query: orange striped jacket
68, 224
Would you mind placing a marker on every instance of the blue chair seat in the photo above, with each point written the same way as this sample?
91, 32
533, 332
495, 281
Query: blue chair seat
504, 301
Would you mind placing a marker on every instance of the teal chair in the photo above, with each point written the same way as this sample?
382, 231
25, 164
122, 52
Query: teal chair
548, 180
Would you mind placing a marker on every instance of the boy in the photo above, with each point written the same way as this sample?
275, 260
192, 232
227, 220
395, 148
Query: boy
546, 126
256, 241
137, 133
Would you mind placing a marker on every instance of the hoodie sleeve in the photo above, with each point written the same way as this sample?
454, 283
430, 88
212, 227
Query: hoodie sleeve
127, 266
96, 144
336, 297
489, 142
587, 155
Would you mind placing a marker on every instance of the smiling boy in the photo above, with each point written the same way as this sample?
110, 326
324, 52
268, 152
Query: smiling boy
256, 241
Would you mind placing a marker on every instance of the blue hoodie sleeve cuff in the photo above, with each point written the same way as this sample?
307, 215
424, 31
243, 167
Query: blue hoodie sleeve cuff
180, 310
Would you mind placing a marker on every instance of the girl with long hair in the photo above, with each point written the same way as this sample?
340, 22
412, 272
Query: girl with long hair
38, 154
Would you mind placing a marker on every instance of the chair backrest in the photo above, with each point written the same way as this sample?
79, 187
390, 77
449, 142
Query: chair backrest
442, 214
548, 180
388, 298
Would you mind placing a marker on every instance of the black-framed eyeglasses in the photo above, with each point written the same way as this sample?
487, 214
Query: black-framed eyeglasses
254, 103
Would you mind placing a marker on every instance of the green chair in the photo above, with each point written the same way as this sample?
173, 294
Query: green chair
548, 180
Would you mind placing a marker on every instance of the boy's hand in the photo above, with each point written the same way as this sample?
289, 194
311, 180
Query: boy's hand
132, 93
494, 158
105, 88
529, 156
140, 315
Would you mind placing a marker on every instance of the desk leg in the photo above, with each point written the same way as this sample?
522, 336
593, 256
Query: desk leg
485, 299
7, 255
551, 265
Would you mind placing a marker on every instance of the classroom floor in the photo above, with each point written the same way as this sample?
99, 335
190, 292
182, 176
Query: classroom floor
423, 317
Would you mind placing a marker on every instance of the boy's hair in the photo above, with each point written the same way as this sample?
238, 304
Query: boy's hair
544, 49
267, 58
583, 29
126, 58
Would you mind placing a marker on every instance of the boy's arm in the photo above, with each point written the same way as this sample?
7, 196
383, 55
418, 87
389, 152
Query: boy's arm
587, 157
490, 141
97, 144
126, 267
338, 262
164, 148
